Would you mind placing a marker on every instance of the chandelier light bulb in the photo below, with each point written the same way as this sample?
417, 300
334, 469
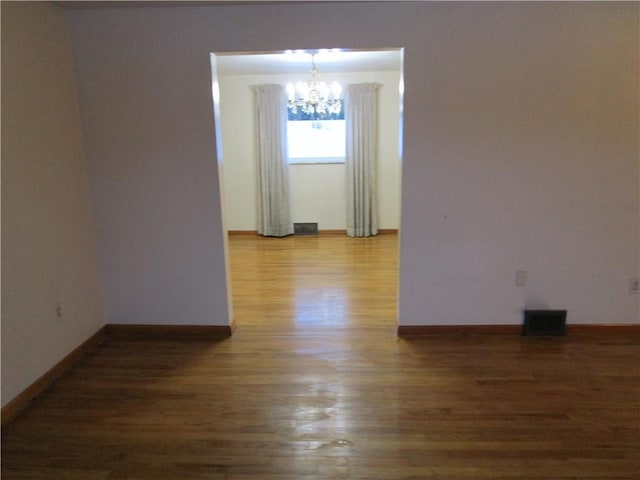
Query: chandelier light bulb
291, 92
303, 91
336, 90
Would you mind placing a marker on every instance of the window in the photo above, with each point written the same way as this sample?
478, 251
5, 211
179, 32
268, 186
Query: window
313, 140
316, 141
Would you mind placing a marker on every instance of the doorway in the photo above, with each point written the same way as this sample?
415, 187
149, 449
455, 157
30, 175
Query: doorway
317, 191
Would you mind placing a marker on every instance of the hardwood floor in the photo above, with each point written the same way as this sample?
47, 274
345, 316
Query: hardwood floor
336, 395
316, 283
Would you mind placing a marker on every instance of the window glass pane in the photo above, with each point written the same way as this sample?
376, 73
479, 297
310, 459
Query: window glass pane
316, 139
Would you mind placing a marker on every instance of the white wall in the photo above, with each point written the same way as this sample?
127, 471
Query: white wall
317, 191
151, 156
48, 246
520, 151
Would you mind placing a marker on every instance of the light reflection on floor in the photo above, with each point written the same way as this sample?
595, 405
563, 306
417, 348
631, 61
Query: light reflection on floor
321, 306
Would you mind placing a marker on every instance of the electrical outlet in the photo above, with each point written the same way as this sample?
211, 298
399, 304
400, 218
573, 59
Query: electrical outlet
634, 286
521, 278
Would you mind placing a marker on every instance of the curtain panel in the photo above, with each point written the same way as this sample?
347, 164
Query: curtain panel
274, 215
360, 104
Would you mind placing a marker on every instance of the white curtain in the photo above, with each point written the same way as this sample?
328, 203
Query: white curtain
360, 112
274, 217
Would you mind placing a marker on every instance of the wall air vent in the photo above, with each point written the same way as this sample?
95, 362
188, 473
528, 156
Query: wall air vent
305, 228
544, 322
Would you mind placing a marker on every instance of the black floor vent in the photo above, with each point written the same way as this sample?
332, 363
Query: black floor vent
305, 228
544, 322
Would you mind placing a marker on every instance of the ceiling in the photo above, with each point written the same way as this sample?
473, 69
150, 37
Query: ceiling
299, 61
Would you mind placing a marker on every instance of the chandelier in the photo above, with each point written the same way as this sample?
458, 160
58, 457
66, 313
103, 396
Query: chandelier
314, 99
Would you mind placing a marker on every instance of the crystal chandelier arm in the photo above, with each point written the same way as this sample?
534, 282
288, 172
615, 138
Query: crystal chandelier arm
314, 98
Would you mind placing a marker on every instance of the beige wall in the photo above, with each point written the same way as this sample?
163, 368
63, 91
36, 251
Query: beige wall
317, 191
48, 247
520, 151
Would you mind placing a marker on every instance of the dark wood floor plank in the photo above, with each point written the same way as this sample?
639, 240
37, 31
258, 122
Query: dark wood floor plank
335, 394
